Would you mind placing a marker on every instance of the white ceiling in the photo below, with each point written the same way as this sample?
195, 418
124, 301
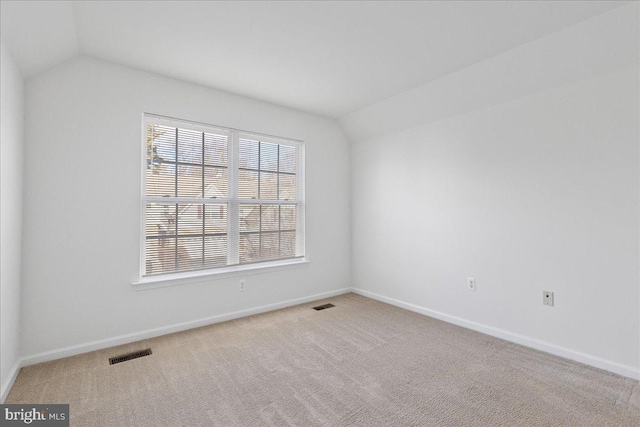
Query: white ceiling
39, 34
329, 58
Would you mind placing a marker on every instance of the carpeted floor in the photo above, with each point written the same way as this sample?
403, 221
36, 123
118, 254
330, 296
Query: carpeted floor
361, 363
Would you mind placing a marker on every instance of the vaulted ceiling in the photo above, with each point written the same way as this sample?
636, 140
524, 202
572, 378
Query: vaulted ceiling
328, 58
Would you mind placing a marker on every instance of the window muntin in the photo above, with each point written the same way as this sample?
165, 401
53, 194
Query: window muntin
216, 197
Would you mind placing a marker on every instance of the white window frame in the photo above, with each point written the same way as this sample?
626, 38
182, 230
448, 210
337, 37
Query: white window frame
232, 201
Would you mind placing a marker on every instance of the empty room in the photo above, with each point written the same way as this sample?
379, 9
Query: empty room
283, 213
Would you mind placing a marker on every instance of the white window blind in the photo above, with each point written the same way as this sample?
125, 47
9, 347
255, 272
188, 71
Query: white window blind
215, 197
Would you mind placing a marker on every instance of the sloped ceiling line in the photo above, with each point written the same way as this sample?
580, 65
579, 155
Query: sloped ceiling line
326, 58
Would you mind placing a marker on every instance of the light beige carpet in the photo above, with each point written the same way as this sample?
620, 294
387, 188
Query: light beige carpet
361, 363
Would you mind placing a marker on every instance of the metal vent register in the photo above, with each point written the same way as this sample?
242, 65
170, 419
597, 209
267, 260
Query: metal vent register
129, 356
322, 307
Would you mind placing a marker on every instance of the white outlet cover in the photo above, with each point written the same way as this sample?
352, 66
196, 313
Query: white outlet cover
547, 298
471, 283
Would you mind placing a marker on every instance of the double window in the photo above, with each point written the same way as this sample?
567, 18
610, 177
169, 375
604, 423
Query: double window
216, 197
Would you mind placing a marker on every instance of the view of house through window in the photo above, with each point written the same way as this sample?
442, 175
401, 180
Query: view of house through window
216, 197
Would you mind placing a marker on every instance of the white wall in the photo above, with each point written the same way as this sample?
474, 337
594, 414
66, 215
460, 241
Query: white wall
82, 201
11, 172
539, 193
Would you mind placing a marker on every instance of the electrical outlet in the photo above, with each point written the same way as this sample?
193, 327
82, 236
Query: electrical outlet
547, 298
471, 283
242, 285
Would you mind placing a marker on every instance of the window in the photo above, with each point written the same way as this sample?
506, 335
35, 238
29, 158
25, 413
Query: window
216, 197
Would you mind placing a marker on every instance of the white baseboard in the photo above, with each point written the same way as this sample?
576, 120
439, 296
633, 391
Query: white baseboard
151, 333
13, 374
597, 362
607, 365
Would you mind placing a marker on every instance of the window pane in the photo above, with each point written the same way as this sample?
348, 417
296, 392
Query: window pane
247, 184
270, 217
248, 154
189, 253
215, 251
160, 255
160, 219
189, 219
268, 157
215, 218
215, 149
269, 246
288, 244
216, 182
287, 217
249, 218
249, 246
287, 159
189, 146
287, 187
161, 180
161, 144
268, 186
189, 181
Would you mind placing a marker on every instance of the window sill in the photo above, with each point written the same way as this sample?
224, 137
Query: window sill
175, 279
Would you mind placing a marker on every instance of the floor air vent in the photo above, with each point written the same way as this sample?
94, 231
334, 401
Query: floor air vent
322, 307
125, 357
